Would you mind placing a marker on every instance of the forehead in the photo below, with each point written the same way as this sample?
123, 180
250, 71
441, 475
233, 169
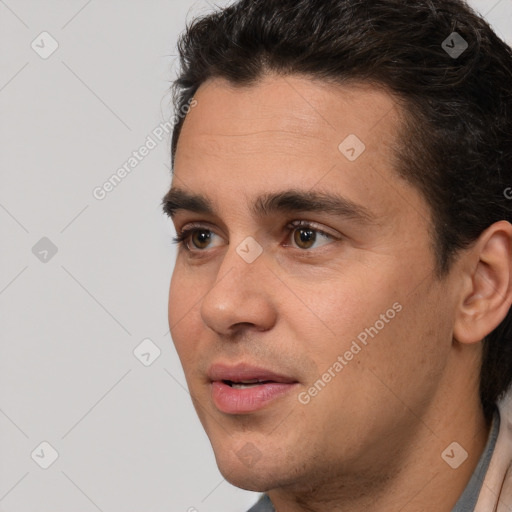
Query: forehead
278, 107
287, 132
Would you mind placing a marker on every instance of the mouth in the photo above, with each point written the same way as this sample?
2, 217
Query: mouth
243, 389
246, 384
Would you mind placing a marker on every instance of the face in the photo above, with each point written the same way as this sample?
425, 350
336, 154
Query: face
303, 303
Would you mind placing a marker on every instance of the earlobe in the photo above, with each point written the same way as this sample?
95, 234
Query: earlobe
486, 299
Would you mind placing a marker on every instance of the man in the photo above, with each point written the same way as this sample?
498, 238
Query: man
341, 297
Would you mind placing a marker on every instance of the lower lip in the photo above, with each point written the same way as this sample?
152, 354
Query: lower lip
238, 401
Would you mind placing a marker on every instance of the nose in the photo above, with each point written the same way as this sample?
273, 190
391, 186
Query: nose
241, 296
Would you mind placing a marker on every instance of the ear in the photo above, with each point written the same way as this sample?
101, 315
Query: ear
487, 290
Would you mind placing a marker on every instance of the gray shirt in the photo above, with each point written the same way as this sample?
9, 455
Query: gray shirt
467, 500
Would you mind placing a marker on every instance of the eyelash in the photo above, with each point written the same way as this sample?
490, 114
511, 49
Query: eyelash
185, 234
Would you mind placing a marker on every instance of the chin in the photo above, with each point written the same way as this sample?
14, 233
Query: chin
249, 479
249, 471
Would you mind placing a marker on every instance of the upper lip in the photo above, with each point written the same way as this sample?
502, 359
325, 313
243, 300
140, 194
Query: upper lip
244, 372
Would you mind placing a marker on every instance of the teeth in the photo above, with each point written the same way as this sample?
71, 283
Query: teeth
243, 384
239, 385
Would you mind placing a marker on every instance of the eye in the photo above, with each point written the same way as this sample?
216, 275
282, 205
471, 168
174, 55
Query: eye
305, 235
194, 238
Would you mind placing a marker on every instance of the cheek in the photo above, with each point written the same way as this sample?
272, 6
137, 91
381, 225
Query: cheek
408, 355
184, 293
375, 325
176, 291
394, 372
183, 311
345, 308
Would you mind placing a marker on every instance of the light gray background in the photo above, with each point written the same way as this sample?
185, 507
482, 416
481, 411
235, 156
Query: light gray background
127, 436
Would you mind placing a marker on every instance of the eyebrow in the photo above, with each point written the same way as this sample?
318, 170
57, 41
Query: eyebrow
288, 201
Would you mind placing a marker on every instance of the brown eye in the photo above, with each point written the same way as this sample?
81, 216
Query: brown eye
307, 236
201, 238
304, 237
197, 239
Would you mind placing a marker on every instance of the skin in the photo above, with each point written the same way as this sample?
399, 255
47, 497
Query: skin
372, 438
